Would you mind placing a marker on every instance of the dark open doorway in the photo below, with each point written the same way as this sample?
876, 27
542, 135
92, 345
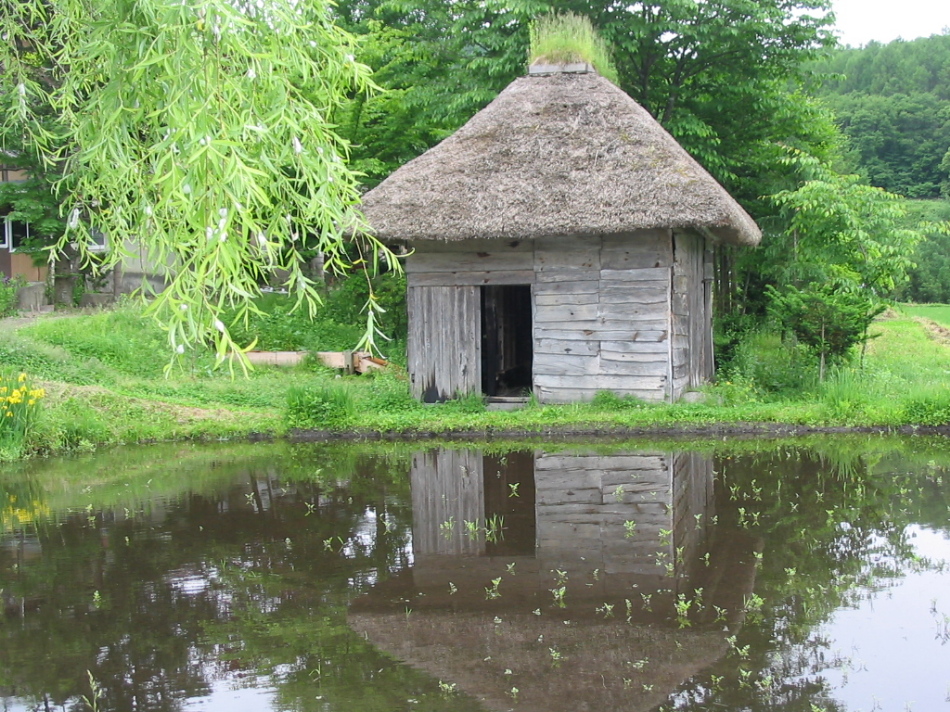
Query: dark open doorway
507, 336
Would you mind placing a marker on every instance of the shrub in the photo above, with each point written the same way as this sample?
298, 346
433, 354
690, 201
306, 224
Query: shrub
328, 406
390, 394
845, 393
608, 400
738, 390
829, 322
8, 291
772, 365
928, 408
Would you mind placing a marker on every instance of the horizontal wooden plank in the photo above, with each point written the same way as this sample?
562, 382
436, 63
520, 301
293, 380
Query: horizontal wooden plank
587, 286
634, 368
555, 299
565, 312
644, 248
602, 382
554, 394
633, 310
469, 261
563, 244
468, 279
581, 365
565, 365
632, 292
603, 463
561, 497
568, 274
633, 356
654, 274
426, 246
553, 530
545, 345
607, 334
634, 323
629, 346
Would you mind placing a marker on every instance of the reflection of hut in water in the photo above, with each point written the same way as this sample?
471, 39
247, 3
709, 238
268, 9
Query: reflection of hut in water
618, 525
495, 538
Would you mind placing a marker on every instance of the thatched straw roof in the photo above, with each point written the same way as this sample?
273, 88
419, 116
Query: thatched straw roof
559, 154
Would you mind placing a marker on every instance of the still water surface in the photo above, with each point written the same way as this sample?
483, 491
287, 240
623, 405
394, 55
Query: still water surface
733, 576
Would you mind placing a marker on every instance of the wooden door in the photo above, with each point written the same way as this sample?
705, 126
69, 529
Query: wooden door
443, 348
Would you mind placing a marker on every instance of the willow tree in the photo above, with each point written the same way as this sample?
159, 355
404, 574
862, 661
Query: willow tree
195, 132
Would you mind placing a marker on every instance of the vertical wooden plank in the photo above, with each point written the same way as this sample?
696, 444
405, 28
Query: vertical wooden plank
693, 507
447, 491
692, 316
708, 281
443, 349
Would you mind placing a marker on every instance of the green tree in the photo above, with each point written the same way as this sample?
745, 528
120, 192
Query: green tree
201, 132
721, 75
832, 257
930, 278
439, 62
828, 321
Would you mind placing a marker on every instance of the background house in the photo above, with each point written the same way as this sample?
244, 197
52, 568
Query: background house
12, 234
561, 245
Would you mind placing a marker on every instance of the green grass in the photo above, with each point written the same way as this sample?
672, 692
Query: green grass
103, 374
569, 38
939, 313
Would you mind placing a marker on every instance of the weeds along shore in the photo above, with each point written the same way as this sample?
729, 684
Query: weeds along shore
104, 381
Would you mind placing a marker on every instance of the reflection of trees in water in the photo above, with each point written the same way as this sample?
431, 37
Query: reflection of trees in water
160, 601
835, 522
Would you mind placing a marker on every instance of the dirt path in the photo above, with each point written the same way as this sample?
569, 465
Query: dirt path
937, 332
13, 323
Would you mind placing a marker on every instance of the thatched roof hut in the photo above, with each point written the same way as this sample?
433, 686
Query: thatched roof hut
562, 178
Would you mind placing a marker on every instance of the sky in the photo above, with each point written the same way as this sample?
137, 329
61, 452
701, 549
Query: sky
860, 21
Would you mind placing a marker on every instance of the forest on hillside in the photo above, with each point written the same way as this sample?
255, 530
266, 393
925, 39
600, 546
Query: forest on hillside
893, 103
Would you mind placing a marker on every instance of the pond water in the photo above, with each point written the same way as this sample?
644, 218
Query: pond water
809, 575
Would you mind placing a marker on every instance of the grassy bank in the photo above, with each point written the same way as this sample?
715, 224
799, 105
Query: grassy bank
104, 383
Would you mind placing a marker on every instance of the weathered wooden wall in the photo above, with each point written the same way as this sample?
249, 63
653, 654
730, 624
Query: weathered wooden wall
692, 354
447, 486
623, 313
443, 301
602, 318
584, 501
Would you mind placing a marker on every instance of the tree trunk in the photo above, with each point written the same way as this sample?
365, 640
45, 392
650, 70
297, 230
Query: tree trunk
66, 276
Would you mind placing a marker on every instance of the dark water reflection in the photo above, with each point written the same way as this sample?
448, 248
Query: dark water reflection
738, 576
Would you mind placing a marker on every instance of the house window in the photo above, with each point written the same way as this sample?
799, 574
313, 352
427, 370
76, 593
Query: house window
13, 234
97, 242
